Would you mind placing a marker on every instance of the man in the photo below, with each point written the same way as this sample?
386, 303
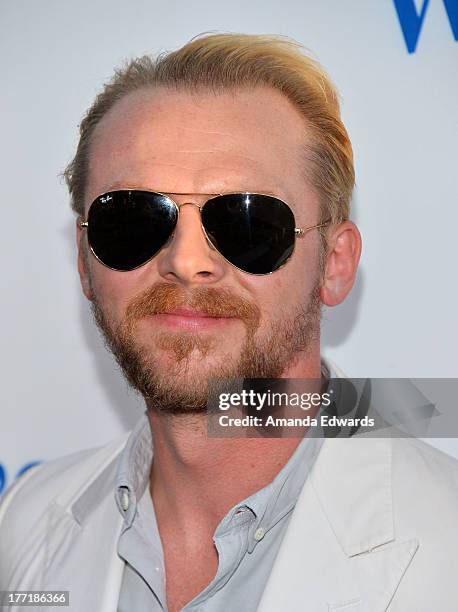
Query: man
212, 189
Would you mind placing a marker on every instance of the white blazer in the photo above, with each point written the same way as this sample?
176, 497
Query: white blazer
375, 528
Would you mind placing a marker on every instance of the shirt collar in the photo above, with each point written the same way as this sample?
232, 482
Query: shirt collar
134, 468
279, 497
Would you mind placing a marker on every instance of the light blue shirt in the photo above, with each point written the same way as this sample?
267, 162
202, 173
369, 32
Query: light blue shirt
247, 539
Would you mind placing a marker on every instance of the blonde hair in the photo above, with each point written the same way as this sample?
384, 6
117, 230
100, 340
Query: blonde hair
229, 61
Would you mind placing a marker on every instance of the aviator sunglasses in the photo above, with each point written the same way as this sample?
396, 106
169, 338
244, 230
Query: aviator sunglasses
254, 232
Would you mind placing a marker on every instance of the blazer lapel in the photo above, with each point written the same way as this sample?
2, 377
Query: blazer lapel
81, 546
379, 572
339, 551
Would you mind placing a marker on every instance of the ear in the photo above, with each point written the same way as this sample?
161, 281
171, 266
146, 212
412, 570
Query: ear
83, 264
344, 250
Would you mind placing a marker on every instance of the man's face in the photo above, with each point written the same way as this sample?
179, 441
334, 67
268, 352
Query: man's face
200, 144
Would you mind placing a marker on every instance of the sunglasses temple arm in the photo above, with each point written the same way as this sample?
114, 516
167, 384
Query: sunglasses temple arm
301, 232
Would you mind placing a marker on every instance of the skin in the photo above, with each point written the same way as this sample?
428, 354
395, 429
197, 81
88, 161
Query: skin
250, 140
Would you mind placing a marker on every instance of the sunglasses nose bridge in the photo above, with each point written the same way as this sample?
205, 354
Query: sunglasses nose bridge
180, 206
183, 204
199, 207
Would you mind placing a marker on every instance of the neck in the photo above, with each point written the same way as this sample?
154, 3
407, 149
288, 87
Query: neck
196, 479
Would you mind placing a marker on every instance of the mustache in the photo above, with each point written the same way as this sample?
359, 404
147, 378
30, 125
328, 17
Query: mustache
165, 297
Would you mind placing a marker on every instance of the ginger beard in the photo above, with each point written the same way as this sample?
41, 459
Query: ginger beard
181, 387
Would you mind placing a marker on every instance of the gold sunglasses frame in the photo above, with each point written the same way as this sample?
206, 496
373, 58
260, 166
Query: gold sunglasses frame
298, 231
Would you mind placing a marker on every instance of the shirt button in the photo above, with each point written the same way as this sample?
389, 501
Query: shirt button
259, 534
125, 500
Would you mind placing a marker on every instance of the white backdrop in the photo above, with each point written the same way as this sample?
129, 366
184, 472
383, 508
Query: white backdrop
60, 389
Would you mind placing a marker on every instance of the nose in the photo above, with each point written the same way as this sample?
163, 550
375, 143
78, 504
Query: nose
189, 258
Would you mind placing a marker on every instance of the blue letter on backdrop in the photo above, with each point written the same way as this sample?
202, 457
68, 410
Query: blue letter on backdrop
412, 22
2, 477
451, 6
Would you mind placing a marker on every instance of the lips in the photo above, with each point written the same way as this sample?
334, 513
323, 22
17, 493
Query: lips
188, 312
191, 319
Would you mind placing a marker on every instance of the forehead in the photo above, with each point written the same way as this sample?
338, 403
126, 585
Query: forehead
200, 142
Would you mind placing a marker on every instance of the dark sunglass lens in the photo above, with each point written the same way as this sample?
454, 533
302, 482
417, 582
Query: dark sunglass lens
254, 232
127, 228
